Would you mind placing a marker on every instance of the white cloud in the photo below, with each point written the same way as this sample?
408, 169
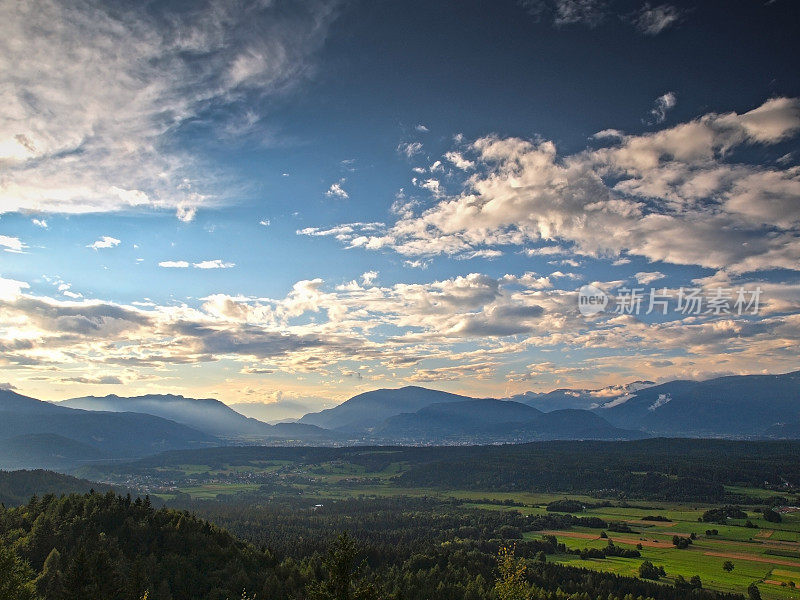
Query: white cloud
661, 106
104, 242
40, 223
11, 244
671, 195
654, 20
646, 278
174, 264
369, 277
89, 110
337, 191
459, 161
11, 288
213, 264
417, 264
608, 134
422, 128
409, 149
264, 223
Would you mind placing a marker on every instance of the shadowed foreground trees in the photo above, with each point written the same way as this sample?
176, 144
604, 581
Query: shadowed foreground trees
107, 547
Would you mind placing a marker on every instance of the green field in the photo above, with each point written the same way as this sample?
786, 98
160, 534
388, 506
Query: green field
766, 553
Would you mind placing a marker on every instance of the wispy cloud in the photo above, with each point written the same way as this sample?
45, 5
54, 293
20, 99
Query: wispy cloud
90, 108
567, 12
12, 244
409, 149
214, 264
205, 264
662, 105
653, 20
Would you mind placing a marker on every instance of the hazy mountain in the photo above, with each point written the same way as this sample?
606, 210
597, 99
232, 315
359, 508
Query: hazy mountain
745, 405
273, 412
93, 435
492, 421
207, 415
204, 414
369, 409
580, 398
46, 451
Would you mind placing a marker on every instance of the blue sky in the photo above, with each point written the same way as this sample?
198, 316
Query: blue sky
272, 201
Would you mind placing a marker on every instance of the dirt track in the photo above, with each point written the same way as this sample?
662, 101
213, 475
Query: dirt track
753, 558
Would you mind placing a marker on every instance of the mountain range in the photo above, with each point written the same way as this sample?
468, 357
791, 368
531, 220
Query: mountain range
36, 434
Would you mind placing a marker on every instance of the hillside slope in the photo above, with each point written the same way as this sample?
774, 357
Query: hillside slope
369, 409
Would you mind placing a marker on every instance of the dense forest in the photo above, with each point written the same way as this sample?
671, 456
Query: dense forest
656, 469
105, 546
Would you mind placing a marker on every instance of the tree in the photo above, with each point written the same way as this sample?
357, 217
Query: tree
512, 582
752, 592
647, 570
772, 516
16, 577
344, 575
49, 583
727, 566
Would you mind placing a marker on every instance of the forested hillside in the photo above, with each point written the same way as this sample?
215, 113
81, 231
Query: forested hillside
102, 546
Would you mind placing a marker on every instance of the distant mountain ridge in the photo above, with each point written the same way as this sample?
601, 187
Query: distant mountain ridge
586, 399
731, 406
204, 414
370, 409
494, 421
35, 434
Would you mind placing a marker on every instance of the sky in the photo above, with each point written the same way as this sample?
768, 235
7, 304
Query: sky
294, 202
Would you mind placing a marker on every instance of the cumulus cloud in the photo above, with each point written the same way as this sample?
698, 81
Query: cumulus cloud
459, 161
104, 242
468, 327
337, 191
671, 195
88, 112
